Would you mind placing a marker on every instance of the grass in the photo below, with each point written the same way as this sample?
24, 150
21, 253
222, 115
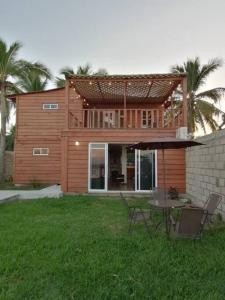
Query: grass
78, 248
10, 186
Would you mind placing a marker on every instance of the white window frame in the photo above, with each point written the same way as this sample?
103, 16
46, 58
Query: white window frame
53, 106
41, 152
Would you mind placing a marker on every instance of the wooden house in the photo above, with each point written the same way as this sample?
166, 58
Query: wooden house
78, 136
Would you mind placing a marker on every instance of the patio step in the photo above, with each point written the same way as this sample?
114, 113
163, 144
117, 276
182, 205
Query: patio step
8, 196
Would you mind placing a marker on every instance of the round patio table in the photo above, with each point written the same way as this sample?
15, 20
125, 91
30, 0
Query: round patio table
166, 206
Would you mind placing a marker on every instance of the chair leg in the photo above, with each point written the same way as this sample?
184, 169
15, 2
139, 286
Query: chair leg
146, 225
130, 224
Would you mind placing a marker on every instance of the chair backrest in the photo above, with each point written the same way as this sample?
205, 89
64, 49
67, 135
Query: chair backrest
213, 202
160, 194
191, 222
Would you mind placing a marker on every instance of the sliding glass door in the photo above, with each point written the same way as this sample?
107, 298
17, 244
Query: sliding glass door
145, 170
98, 167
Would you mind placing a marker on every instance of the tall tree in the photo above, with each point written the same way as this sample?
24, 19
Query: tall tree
81, 70
202, 110
11, 69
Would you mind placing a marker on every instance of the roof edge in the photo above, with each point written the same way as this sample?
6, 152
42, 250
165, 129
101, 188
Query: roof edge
13, 96
128, 76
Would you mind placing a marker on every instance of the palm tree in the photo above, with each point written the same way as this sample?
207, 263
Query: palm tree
81, 70
11, 69
10, 138
202, 110
35, 79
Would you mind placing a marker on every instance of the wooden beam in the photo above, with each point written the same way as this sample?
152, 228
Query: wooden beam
185, 104
67, 91
148, 93
99, 87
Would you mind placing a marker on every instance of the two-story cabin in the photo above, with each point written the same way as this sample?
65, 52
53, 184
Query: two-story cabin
79, 135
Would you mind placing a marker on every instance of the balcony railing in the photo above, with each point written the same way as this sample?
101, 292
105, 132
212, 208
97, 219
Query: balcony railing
124, 119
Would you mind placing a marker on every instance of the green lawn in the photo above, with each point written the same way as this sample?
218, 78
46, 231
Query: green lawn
78, 248
10, 186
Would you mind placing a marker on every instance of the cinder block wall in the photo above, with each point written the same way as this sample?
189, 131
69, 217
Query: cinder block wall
9, 157
205, 168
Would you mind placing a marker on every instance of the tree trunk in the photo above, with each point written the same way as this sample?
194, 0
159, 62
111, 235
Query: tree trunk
3, 131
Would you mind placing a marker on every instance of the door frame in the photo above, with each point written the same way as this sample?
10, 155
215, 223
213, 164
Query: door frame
106, 167
137, 168
106, 170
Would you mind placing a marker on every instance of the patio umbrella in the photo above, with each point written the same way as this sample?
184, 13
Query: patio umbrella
164, 143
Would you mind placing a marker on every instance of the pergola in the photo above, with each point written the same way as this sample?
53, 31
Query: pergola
114, 89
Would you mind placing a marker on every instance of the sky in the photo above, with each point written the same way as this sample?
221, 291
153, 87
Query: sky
123, 36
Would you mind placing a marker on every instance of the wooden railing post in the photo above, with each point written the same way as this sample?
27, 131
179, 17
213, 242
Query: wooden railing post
125, 104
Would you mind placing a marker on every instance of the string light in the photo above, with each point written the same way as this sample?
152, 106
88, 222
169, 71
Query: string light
129, 83
90, 82
149, 82
110, 83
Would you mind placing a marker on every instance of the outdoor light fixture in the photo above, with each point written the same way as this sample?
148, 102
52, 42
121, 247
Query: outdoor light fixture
170, 82
149, 82
77, 143
90, 82
129, 83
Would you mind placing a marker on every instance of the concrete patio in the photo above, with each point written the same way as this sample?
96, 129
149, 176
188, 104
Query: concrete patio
53, 191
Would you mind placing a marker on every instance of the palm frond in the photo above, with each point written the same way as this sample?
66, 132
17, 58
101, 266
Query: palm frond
84, 70
60, 82
214, 94
67, 71
101, 71
206, 70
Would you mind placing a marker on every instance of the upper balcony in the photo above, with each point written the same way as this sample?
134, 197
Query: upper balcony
126, 101
124, 119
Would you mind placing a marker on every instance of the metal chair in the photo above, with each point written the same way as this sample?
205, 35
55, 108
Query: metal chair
211, 205
136, 214
160, 194
190, 224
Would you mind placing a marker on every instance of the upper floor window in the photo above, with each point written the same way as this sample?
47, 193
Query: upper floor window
50, 106
40, 151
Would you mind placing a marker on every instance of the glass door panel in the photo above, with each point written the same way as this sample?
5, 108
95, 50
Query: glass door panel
145, 170
98, 166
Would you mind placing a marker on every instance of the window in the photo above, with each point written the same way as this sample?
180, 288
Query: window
40, 151
50, 106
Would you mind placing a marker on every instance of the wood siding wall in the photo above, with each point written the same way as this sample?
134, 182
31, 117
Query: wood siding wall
66, 163
76, 158
38, 128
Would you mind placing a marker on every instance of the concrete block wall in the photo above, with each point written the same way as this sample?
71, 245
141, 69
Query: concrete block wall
205, 169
